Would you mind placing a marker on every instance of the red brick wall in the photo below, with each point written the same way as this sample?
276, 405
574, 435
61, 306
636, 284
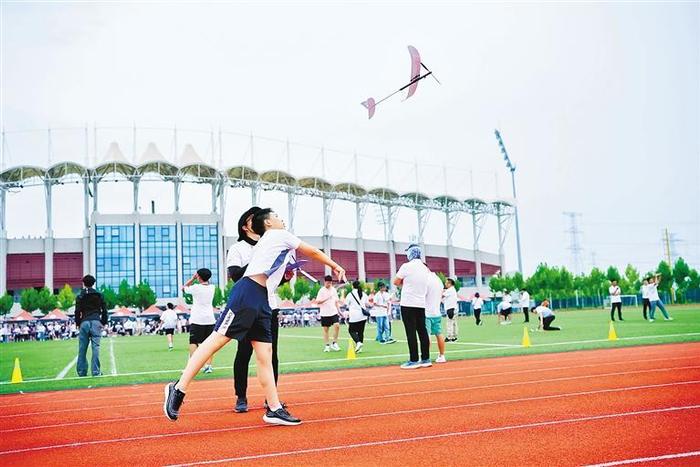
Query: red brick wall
377, 266
67, 269
25, 270
465, 268
348, 260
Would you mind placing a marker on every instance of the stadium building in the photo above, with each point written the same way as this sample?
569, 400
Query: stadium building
166, 248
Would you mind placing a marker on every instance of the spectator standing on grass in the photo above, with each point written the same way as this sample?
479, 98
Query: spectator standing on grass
382, 313
90, 316
655, 300
4, 333
40, 332
202, 312
412, 277
169, 322
506, 306
449, 299
615, 301
477, 305
645, 297
546, 316
356, 302
525, 304
433, 317
329, 309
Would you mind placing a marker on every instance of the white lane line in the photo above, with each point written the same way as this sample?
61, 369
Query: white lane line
364, 386
65, 371
355, 399
441, 435
638, 460
112, 360
450, 369
374, 357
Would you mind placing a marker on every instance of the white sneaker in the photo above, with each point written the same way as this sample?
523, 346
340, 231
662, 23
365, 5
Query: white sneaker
327, 348
668, 319
335, 347
651, 320
358, 347
441, 359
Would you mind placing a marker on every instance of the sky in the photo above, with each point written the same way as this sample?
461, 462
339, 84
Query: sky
598, 104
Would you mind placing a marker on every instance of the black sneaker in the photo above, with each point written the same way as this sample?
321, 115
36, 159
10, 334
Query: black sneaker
173, 400
267, 407
280, 417
241, 405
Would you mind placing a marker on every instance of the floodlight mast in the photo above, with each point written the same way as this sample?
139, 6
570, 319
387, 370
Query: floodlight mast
510, 166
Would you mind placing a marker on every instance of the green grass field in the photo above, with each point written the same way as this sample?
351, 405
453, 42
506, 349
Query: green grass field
145, 359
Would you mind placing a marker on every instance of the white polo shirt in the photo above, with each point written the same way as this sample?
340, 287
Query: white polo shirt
239, 254
615, 294
415, 276
433, 296
275, 249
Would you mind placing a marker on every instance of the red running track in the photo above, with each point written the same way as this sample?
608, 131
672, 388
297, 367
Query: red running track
640, 405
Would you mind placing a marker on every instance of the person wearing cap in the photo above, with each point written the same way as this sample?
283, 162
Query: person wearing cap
381, 310
329, 309
449, 299
237, 261
413, 278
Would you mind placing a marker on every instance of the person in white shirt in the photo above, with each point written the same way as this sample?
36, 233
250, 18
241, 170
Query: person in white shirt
645, 297
202, 311
525, 304
433, 317
329, 308
382, 313
412, 277
546, 316
506, 307
655, 300
477, 305
449, 299
248, 314
358, 309
615, 301
169, 322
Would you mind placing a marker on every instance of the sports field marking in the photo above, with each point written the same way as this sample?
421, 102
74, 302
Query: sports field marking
374, 357
442, 435
448, 369
638, 460
320, 337
112, 360
64, 371
474, 404
393, 383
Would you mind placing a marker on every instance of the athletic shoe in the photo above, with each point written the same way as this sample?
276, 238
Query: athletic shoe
208, 369
425, 363
441, 359
170, 349
335, 347
410, 365
327, 348
391, 340
173, 400
280, 417
651, 320
358, 347
668, 319
241, 405
267, 407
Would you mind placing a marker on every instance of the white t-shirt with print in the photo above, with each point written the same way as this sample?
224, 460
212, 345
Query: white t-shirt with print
415, 283
202, 311
330, 298
239, 254
433, 296
275, 249
355, 308
615, 294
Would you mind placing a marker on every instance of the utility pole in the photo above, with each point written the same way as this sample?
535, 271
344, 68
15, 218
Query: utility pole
574, 242
511, 167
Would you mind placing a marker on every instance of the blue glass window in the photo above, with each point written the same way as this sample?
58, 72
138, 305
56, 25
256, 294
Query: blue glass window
200, 250
159, 259
114, 254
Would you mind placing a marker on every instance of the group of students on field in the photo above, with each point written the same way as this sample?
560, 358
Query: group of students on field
650, 299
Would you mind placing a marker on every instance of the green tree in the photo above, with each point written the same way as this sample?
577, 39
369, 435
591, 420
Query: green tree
631, 282
681, 276
66, 298
47, 300
143, 296
110, 297
126, 295
6, 302
693, 280
218, 298
227, 290
302, 288
285, 291
666, 279
29, 300
315, 288
613, 274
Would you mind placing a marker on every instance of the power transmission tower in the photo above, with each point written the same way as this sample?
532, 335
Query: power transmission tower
575, 241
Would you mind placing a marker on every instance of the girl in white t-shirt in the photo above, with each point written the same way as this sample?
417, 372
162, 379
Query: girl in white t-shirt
357, 303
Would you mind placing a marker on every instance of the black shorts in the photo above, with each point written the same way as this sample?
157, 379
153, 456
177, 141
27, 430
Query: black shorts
506, 312
169, 331
200, 332
249, 315
328, 321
